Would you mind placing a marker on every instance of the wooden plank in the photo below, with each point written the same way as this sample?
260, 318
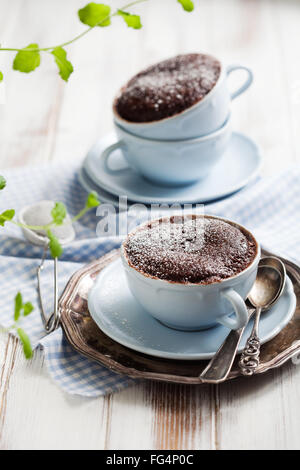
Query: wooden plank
9, 346
29, 116
130, 424
39, 415
184, 416
261, 412
163, 416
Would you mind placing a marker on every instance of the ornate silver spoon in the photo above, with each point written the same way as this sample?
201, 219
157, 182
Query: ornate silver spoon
266, 290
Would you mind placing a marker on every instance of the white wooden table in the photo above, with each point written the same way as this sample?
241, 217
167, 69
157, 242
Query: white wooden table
45, 119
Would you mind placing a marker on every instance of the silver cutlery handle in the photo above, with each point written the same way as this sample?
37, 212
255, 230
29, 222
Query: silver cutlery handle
250, 356
249, 360
220, 365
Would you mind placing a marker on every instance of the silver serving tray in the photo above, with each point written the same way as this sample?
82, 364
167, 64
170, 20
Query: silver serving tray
86, 337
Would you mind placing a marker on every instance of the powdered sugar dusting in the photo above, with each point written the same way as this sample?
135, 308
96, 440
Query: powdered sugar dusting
168, 87
195, 250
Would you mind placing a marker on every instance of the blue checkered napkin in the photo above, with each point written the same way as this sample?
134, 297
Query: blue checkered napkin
75, 373
19, 259
271, 208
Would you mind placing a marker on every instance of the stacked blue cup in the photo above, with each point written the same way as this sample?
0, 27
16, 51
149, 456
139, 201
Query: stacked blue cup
184, 147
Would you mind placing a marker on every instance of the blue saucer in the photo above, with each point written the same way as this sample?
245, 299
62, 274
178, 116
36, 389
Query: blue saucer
238, 166
90, 186
120, 317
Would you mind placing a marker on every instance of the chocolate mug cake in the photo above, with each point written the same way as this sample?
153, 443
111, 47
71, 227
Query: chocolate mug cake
192, 272
195, 249
168, 88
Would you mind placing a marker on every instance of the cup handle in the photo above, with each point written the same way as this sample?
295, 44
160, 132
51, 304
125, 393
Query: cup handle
104, 157
239, 306
247, 82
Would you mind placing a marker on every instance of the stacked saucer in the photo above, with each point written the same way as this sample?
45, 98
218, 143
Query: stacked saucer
173, 139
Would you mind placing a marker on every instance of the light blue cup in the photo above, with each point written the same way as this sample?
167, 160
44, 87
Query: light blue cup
169, 163
194, 306
199, 120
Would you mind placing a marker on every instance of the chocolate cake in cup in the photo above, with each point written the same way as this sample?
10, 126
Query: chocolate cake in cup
191, 273
179, 98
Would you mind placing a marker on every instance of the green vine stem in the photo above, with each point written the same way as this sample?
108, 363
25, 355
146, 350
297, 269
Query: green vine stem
93, 15
79, 36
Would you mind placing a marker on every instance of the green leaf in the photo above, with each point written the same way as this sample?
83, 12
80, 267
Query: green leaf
54, 245
6, 215
27, 309
187, 5
27, 59
64, 66
92, 200
132, 21
59, 213
95, 14
2, 182
18, 306
26, 343
1, 76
